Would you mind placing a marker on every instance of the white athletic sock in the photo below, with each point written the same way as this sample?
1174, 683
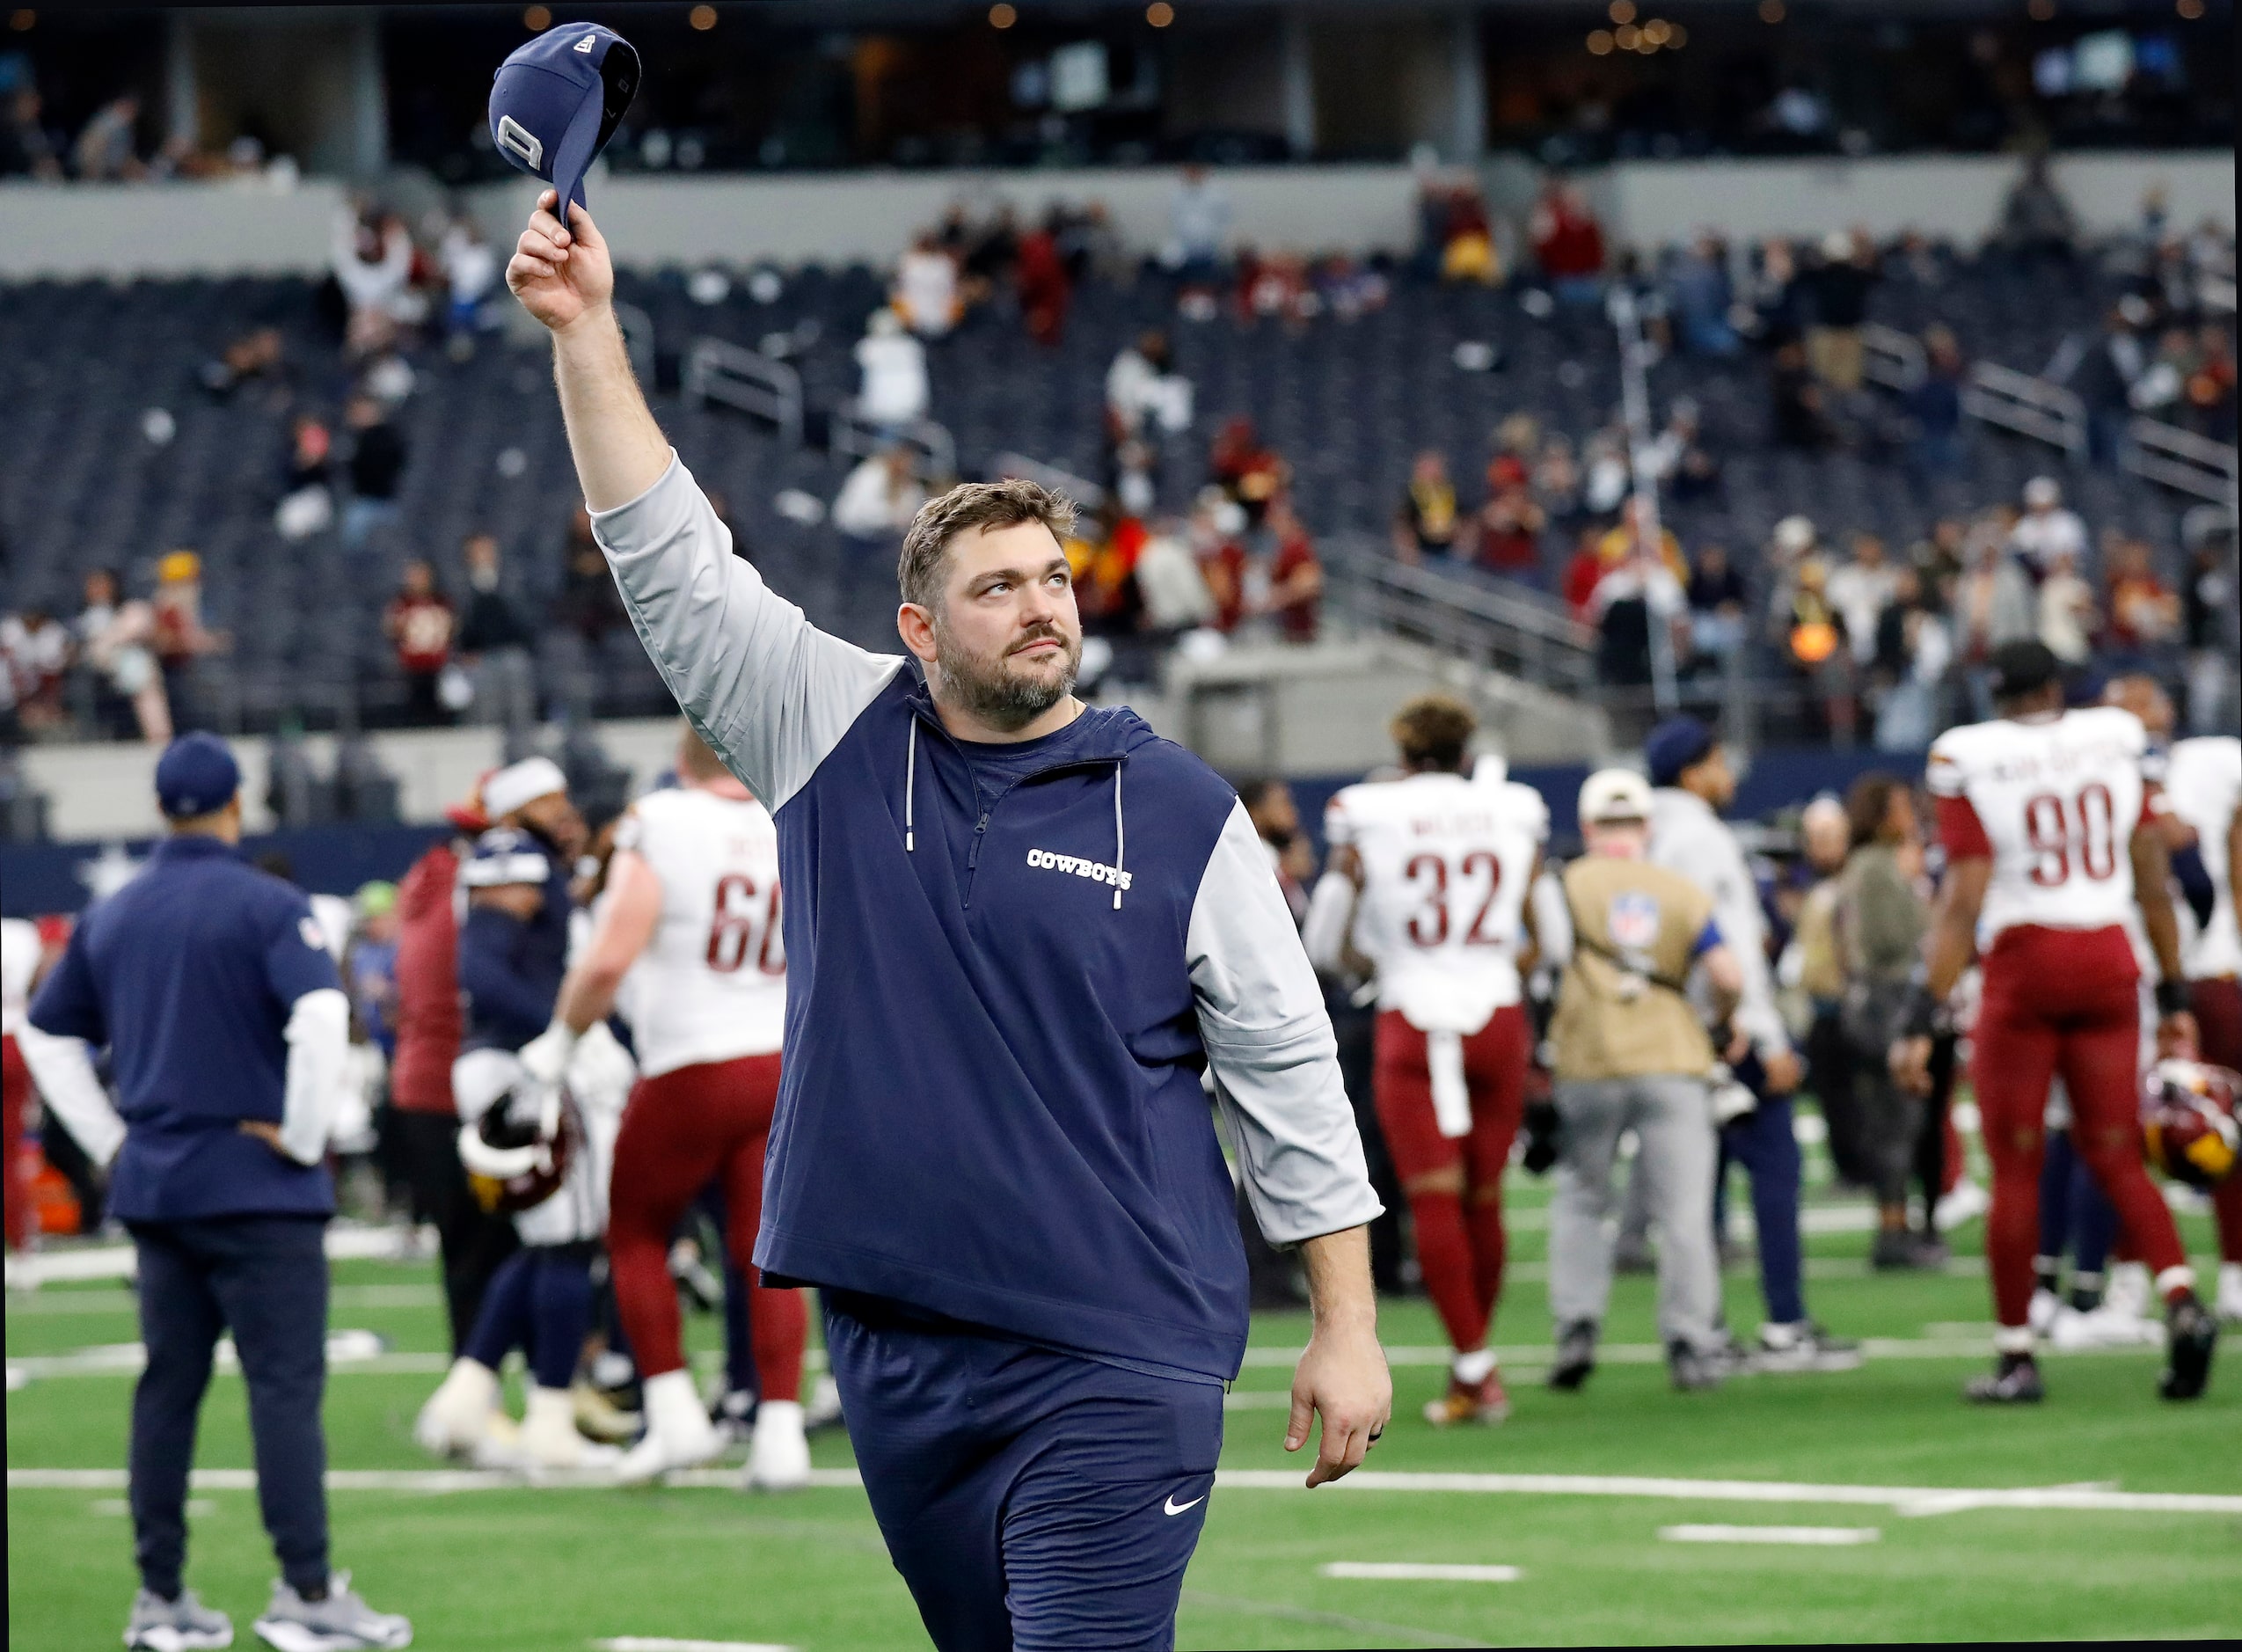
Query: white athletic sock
2013, 1339
673, 1405
1474, 1367
2180, 1278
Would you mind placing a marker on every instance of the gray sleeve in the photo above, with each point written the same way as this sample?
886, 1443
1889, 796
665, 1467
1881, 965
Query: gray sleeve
770, 692
1270, 1049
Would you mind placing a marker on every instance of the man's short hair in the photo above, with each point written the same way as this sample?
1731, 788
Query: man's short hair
1434, 730
969, 508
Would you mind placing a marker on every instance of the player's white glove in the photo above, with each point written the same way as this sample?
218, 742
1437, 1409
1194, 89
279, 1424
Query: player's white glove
546, 1057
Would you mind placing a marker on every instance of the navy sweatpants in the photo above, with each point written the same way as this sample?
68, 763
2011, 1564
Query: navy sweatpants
265, 1279
539, 1301
1764, 1143
1031, 1499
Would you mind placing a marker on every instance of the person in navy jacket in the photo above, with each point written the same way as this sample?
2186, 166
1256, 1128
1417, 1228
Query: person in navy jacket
1018, 931
211, 986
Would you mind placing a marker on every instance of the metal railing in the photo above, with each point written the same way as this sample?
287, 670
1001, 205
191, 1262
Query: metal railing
2180, 459
850, 431
1521, 632
1080, 489
2030, 407
1892, 358
743, 379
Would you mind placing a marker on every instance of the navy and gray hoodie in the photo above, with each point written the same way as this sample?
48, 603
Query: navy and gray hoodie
1006, 968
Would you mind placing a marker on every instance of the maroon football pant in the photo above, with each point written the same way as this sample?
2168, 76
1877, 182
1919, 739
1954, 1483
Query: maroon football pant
2069, 1002
2218, 1022
1460, 1237
682, 1131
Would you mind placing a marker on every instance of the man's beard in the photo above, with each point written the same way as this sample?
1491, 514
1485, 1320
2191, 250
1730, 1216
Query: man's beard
991, 689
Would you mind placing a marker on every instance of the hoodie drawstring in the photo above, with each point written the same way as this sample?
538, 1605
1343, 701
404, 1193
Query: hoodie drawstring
1121, 839
911, 837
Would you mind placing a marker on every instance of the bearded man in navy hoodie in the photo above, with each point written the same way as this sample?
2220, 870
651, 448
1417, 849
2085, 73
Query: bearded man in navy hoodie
1018, 930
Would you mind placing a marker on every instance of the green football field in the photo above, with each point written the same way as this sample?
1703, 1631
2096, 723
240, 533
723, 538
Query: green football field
1579, 1512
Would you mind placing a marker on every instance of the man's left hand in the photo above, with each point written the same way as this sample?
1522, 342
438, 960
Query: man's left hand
1783, 1072
1343, 1376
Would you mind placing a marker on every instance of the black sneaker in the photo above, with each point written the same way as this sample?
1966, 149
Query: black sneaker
1899, 1250
1575, 1355
2191, 1332
1694, 1369
2014, 1382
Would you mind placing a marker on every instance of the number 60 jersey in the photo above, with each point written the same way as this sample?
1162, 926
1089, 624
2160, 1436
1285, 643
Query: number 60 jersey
2053, 802
1447, 861
711, 983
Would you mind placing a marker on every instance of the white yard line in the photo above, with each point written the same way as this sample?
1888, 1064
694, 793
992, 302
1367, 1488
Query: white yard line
665, 1643
1421, 1572
1906, 1500
1810, 1536
345, 1242
362, 1353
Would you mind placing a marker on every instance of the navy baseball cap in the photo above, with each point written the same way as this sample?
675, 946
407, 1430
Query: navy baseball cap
196, 775
1675, 744
559, 98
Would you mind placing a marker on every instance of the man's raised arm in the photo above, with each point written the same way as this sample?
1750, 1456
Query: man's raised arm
769, 692
564, 277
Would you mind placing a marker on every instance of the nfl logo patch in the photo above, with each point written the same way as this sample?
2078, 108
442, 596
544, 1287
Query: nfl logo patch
1632, 920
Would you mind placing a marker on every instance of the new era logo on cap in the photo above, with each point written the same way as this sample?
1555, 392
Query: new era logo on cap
584, 46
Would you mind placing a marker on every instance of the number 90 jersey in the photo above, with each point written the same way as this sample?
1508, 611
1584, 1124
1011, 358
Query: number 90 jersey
711, 983
1447, 862
2054, 803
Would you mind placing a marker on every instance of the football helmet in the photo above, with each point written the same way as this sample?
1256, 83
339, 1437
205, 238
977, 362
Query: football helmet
518, 1154
2187, 1122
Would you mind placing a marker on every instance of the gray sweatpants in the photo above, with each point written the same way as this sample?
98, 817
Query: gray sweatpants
1672, 1119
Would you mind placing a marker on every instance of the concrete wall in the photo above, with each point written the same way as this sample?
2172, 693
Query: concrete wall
107, 792
187, 229
90, 230
1650, 202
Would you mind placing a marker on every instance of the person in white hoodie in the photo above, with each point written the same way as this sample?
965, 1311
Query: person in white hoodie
1689, 769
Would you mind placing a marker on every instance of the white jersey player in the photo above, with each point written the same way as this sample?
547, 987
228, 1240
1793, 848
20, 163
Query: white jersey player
688, 947
1428, 882
2038, 812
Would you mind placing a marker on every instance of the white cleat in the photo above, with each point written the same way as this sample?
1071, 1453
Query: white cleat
679, 1434
2041, 1313
2229, 1292
2129, 1291
2106, 1326
456, 1420
824, 1407
550, 1442
1965, 1203
778, 1455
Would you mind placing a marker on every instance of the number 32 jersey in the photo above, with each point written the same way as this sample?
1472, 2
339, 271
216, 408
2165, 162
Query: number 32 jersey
2054, 803
1447, 862
711, 983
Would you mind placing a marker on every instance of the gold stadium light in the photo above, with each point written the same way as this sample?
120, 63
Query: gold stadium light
536, 19
702, 18
1658, 31
1002, 16
1626, 37
1678, 38
22, 21
2041, 10
1622, 11
1771, 10
1159, 14
2190, 9
1600, 43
